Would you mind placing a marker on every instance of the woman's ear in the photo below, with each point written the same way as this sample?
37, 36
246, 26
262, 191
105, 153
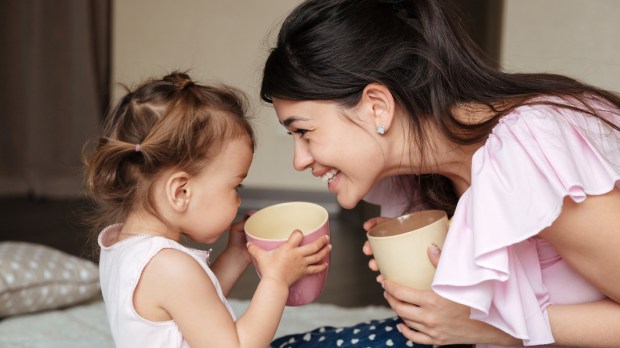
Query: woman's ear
178, 191
379, 102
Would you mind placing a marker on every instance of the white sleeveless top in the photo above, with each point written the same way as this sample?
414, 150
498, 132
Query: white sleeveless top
120, 267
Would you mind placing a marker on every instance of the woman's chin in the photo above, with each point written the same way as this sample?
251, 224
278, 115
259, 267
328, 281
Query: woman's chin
347, 202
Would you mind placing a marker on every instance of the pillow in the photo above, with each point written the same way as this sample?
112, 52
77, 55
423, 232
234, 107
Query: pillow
36, 277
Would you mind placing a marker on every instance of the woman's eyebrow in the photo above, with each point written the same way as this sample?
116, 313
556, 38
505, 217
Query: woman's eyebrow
287, 122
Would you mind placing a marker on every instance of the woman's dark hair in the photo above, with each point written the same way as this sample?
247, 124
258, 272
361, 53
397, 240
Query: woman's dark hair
332, 49
171, 122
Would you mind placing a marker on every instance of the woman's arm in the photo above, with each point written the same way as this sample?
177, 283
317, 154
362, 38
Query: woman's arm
595, 324
587, 236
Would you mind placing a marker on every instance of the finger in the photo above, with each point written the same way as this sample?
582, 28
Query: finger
372, 264
403, 293
253, 249
319, 256
237, 227
248, 214
414, 336
370, 223
295, 238
314, 247
410, 313
316, 268
367, 249
434, 253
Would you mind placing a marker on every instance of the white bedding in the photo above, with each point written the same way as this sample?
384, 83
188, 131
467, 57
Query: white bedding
86, 325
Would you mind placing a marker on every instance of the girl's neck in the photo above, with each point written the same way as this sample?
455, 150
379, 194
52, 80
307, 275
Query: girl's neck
143, 223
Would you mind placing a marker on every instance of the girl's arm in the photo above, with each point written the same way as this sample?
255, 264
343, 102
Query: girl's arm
234, 260
174, 286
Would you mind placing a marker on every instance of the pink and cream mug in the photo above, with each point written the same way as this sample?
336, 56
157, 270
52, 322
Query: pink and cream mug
271, 227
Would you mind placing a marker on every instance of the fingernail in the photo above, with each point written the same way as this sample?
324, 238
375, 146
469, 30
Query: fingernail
434, 249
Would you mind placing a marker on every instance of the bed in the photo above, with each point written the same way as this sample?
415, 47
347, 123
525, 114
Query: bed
49, 298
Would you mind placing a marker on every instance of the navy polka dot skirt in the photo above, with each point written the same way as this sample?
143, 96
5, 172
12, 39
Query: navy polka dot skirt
373, 334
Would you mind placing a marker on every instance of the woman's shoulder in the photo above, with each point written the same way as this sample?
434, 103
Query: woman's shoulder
555, 111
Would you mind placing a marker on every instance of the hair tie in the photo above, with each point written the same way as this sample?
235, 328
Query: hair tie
138, 148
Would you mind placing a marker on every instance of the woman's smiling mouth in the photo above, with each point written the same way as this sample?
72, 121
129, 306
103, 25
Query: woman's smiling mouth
327, 177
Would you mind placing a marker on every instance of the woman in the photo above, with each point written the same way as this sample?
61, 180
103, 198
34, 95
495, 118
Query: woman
527, 165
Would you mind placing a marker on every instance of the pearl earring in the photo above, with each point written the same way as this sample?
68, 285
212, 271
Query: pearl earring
380, 129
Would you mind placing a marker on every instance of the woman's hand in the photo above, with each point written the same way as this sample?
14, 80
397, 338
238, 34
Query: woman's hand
432, 319
367, 250
289, 262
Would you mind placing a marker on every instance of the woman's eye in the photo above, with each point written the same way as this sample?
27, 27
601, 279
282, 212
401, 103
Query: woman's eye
301, 132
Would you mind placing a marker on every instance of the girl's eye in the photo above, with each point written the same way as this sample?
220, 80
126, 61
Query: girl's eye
301, 132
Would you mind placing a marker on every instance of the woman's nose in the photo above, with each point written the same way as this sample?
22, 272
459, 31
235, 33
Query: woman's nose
301, 157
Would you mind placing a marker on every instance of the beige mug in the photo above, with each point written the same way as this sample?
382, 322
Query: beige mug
400, 246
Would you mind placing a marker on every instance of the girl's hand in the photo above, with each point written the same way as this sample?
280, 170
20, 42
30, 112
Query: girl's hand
289, 262
234, 259
237, 242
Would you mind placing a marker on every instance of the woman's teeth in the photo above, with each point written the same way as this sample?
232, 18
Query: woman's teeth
327, 177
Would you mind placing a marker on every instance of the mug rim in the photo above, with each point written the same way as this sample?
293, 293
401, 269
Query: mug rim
277, 205
442, 215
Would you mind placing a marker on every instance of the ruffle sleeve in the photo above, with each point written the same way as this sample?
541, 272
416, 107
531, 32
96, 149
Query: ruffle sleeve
535, 156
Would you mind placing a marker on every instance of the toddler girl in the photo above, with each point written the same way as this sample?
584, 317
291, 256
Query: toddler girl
168, 164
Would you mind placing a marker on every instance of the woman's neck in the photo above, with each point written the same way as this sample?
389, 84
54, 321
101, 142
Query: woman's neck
446, 158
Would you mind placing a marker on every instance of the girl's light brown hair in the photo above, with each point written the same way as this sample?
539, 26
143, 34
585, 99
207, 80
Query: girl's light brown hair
171, 122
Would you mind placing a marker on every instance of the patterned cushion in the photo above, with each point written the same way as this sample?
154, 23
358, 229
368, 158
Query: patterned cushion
35, 277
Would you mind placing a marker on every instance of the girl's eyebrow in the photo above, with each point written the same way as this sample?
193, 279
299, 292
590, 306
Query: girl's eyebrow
287, 122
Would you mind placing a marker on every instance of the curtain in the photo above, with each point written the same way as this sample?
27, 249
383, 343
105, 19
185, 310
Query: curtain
54, 87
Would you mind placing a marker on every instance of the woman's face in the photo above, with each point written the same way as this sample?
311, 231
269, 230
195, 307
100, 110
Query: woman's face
341, 150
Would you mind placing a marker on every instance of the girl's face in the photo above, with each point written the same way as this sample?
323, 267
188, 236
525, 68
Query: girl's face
214, 198
341, 150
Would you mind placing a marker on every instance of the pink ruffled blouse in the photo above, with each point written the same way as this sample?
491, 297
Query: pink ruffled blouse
492, 259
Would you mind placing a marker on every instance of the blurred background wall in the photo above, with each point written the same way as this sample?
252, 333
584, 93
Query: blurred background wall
228, 40
578, 38
58, 54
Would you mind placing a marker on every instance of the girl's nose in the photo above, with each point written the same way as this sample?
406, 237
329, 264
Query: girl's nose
301, 157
